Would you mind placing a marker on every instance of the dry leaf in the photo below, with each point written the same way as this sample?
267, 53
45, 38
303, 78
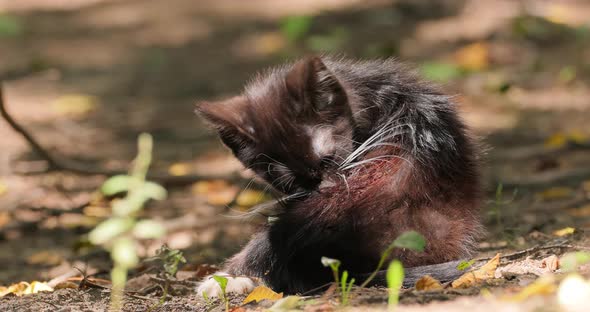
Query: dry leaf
66, 284
559, 140
564, 232
427, 282
75, 105
262, 293
3, 188
5, 218
179, 169
542, 286
217, 192
586, 187
529, 266
24, 288
555, 193
474, 56
249, 198
45, 257
471, 278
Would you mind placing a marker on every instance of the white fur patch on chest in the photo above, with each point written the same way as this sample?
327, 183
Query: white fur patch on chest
322, 140
235, 284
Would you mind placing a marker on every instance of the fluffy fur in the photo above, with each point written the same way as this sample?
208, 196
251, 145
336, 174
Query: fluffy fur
364, 151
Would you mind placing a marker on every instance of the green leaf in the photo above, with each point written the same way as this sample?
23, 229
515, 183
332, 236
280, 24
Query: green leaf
153, 190
441, 72
395, 279
130, 204
465, 265
109, 229
222, 281
148, 229
124, 253
295, 27
116, 184
410, 240
571, 261
10, 26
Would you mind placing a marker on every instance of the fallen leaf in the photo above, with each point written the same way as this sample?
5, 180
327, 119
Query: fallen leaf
555, 193
249, 198
543, 286
45, 257
586, 187
474, 56
5, 218
217, 192
471, 278
262, 293
75, 105
179, 169
559, 139
24, 288
564, 232
529, 266
427, 282
3, 188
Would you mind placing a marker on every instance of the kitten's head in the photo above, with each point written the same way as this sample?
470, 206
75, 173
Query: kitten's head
292, 126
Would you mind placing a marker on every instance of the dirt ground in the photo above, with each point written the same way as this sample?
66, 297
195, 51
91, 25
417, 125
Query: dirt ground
85, 77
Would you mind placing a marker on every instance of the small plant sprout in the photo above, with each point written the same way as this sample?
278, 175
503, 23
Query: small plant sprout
119, 233
345, 287
222, 282
464, 265
411, 240
395, 280
169, 259
334, 264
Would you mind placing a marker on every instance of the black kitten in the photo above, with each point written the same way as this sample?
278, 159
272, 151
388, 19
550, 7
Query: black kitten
364, 151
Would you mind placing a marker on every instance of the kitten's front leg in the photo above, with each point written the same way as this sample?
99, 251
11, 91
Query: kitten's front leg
243, 270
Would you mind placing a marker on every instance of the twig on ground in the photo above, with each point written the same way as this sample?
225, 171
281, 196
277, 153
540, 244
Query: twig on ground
56, 164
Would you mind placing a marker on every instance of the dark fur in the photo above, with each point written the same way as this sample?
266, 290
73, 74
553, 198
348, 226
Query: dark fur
423, 175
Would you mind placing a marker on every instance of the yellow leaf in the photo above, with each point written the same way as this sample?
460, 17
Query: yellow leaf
556, 141
45, 257
565, 231
471, 278
36, 287
474, 56
555, 193
3, 188
545, 285
217, 192
262, 293
427, 282
249, 198
4, 218
179, 169
75, 104
24, 288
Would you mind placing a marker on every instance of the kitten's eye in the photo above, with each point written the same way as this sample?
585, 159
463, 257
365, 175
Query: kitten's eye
327, 161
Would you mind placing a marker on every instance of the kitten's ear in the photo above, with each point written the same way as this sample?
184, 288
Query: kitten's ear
311, 84
227, 117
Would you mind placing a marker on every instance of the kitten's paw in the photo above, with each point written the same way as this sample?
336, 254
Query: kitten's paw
238, 285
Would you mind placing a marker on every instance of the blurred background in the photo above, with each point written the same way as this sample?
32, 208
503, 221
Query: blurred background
85, 77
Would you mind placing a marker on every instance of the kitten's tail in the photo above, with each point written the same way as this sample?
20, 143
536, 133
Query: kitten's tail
443, 272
